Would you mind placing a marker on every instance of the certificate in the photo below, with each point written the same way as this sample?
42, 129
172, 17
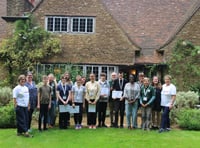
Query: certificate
68, 108
91, 108
73, 110
105, 91
116, 94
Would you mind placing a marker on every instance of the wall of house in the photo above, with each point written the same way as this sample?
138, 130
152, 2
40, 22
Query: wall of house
3, 12
108, 45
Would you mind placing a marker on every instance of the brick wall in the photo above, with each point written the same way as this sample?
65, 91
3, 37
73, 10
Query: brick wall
3, 4
109, 44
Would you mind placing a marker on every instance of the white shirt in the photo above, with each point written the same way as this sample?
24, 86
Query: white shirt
166, 94
21, 94
78, 93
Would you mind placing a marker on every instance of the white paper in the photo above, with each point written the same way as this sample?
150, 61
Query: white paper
105, 91
91, 108
116, 94
68, 108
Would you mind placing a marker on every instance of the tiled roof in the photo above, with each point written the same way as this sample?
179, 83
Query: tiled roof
150, 23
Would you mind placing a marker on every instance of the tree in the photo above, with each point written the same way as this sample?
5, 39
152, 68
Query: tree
184, 65
28, 45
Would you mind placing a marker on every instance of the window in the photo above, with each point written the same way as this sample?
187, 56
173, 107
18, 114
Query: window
70, 24
82, 25
57, 24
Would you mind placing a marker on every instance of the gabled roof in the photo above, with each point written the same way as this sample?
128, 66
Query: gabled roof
151, 23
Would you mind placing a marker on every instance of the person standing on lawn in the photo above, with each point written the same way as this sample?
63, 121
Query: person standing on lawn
147, 96
131, 95
21, 103
78, 94
32, 97
103, 100
44, 103
119, 103
156, 104
52, 111
64, 95
111, 101
92, 95
168, 96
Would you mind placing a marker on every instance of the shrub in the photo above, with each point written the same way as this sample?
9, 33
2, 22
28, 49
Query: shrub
189, 119
7, 116
5, 95
184, 100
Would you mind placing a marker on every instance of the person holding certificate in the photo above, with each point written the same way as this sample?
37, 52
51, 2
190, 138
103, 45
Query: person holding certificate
63, 93
78, 93
103, 100
147, 96
131, 95
92, 95
119, 102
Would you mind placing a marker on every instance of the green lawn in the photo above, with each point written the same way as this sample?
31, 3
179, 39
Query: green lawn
103, 138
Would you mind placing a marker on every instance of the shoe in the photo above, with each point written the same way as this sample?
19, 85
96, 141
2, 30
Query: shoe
161, 130
45, 129
50, 126
94, 127
99, 126
90, 127
19, 134
30, 130
103, 125
28, 135
168, 129
129, 127
76, 127
121, 126
79, 126
116, 126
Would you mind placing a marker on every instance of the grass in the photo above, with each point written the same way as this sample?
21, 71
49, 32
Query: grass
100, 138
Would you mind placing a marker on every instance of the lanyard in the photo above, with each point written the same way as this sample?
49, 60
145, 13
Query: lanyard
64, 89
146, 91
121, 84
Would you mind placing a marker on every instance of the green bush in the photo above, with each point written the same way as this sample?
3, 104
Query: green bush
7, 116
184, 100
5, 95
189, 119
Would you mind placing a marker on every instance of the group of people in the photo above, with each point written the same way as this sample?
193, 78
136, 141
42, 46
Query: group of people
123, 96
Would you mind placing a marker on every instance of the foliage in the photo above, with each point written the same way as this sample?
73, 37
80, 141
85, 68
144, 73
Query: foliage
59, 70
5, 95
28, 45
184, 65
7, 116
189, 119
184, 100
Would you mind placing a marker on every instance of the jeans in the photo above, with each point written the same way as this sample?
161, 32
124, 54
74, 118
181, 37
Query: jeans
30, 113
165, 121
146, 117
22, 119
131, 111
52, 113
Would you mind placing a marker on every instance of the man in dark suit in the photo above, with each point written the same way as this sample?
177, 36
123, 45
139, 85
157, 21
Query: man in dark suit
119, 103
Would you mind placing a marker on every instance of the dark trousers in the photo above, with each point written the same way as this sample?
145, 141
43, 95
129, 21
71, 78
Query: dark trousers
165, 121
22, 119
102, 112
79, 116
119, 106
43, 115
111, 107
52, 113
30, 113
91, 117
